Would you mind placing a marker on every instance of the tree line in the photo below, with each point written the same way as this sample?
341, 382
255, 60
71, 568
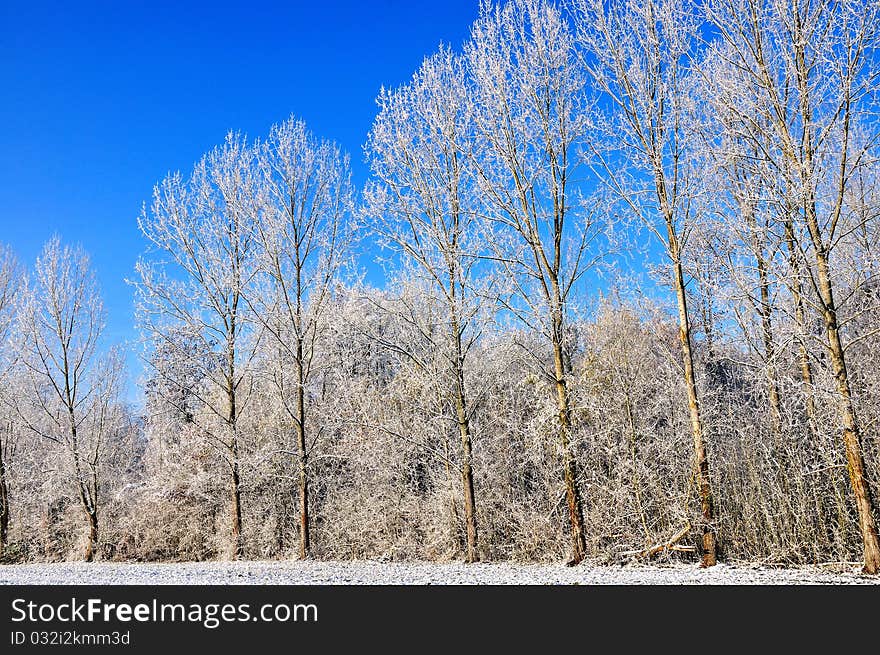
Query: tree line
630, 310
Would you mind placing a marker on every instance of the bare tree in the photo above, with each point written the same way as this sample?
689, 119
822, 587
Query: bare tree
637, 54
812, 66
424, 204
202, 229
10, 280
73, 390
529, 116
303, 236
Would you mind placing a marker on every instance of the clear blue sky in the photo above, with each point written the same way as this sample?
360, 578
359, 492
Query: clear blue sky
99, 100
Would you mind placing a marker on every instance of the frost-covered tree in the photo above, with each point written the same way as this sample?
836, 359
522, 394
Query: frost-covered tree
530, 115
73, 388
811, 65
10, 284
424, 202
193, 282
637, 55
303, 234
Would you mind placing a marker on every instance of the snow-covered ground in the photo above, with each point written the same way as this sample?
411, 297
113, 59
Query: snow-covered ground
419, 573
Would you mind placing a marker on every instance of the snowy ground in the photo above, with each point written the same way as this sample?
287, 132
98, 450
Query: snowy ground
415, 573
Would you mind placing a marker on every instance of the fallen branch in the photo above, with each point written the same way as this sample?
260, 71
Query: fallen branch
672, 545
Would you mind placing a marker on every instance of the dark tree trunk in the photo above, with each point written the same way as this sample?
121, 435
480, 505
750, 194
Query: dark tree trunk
4, 505
232, 425
464, 430
237, 538
235, 476
765, 309
92, 543
467, 478
302, 464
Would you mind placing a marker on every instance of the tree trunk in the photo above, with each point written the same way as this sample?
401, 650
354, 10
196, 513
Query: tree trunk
702, 461
237, 539
89, 501
235, 479
304, 537
467, 478
851, 432
464, 430
92, 543
232, 424
4, 505
569, 463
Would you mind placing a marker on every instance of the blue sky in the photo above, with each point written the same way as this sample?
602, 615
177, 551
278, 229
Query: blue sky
101, 99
